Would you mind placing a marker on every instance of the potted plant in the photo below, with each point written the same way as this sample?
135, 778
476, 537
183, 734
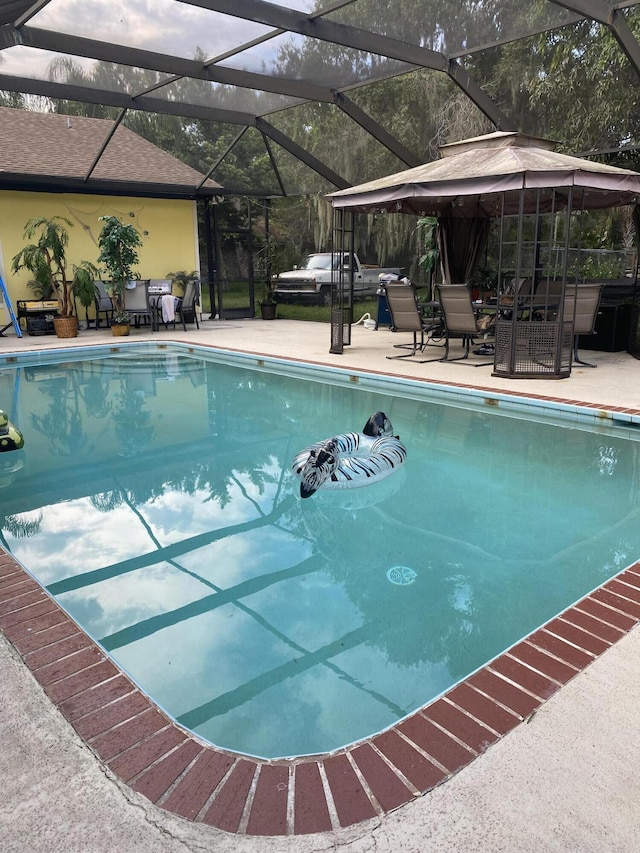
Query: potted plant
268, 267
118, 244
484, 283
268, 304
180, 279
46, 260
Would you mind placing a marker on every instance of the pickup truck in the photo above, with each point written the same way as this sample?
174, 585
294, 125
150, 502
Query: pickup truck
311, 281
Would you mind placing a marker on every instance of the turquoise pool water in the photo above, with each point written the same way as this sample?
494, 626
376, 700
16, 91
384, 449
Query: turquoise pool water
156, 504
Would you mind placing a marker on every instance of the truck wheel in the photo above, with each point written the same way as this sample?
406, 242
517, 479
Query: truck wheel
324, 297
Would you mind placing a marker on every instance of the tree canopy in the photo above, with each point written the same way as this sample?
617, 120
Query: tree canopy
572, 84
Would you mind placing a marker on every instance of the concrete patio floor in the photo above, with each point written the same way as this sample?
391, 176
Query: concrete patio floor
566, 781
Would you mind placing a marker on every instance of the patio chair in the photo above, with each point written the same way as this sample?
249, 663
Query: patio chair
519, 296
406, 316
460, 320
103, 304
581, 302
185, 307
136, 303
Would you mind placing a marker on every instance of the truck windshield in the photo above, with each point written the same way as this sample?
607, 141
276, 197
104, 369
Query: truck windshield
316, 262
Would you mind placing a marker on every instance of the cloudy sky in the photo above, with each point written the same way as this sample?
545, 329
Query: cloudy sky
164, 26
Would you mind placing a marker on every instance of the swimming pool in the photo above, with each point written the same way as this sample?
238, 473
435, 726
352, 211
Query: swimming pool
156, 504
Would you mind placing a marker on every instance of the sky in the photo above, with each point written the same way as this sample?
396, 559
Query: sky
164, 26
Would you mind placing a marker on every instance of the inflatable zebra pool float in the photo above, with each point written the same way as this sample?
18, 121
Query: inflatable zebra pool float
350, 460
10, 437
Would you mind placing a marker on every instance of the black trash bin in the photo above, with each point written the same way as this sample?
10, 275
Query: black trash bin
383, 317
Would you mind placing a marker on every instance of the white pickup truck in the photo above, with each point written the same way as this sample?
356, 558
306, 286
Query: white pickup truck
311, 281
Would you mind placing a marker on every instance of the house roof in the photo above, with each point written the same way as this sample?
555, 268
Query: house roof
52, 152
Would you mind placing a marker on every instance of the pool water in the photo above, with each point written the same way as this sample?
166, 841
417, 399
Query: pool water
156, 503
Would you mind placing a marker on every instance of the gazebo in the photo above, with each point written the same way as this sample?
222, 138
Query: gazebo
535, 193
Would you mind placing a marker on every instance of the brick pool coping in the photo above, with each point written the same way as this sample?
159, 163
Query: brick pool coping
178, 772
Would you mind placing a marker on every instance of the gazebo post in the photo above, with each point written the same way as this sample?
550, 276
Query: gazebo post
342, 244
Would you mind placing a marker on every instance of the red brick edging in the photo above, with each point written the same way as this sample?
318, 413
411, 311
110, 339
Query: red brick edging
179, 773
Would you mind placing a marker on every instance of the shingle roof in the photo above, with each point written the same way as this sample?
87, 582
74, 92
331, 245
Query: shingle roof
48, 150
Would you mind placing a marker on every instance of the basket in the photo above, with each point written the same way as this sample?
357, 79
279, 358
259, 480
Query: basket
66, 327
120, 330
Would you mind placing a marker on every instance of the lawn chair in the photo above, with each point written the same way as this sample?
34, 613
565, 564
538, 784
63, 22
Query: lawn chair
185, 307
460, 320
406, 316
136, 303
581, 302
103, 304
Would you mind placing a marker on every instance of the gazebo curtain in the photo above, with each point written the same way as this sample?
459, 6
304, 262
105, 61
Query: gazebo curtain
461, 243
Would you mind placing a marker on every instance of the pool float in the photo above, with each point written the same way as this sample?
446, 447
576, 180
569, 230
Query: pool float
350, 460
10, 437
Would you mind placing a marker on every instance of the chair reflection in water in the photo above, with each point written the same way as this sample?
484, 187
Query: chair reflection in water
406, 316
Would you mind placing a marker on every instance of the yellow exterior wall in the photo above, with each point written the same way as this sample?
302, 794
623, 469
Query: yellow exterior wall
168, 228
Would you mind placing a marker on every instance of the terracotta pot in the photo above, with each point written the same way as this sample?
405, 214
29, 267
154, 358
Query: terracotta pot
66, 327
120, 329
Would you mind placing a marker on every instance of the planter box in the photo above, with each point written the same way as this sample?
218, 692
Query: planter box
533, 350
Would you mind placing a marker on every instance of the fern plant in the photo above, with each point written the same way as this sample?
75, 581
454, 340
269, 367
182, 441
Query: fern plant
46, 260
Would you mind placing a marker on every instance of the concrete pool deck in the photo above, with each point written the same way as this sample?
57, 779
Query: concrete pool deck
565, 781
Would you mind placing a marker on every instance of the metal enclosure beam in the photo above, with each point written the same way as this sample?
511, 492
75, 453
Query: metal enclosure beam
319, 28
121, 100
598, 10
374, 129
359, 39
301, 154
163, 63
33, 9
103, 147
479, 97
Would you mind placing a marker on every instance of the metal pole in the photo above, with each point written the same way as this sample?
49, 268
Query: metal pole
218, 282
209, 225
337, 295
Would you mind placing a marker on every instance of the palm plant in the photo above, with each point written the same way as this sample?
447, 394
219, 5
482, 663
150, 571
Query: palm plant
181, 278
428, 229
46, 260
271, 260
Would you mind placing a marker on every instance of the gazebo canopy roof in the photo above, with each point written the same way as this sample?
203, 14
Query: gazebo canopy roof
475, 177
296, 79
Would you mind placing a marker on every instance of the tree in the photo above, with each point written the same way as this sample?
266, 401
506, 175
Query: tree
573, 84
46, 260
118, 244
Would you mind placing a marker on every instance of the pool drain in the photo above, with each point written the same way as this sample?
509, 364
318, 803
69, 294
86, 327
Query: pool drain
401, 575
